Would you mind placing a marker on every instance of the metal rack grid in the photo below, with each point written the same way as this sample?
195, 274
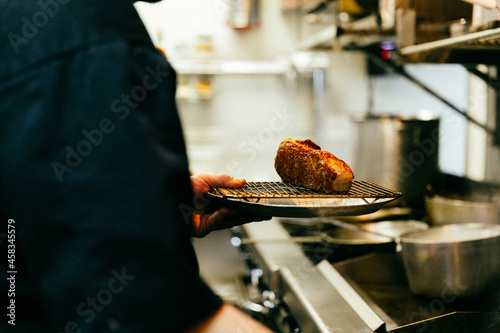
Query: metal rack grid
359, 189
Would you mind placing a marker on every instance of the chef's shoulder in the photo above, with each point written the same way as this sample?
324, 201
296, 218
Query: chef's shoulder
34, 32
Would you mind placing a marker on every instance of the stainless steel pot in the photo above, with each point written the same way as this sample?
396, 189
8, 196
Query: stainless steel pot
397, 152
454, 260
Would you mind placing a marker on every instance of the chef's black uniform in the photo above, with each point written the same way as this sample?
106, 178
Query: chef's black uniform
94, 175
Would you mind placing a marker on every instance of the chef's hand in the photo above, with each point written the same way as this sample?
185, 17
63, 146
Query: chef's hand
222, 218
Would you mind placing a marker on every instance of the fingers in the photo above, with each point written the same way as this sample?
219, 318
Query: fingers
199, 184
235, 182
223, 181
206, 182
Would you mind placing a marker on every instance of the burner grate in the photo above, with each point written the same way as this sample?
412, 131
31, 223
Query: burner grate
359, 189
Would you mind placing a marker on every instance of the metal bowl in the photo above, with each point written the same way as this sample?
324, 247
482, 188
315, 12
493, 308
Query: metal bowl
442, 210
454, 260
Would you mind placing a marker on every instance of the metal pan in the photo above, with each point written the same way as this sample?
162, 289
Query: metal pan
337, 240
335, 243
349, 243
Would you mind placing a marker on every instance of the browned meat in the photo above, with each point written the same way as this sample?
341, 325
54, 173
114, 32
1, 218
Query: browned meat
303, 163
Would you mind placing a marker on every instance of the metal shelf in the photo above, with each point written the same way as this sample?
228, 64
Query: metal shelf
221, 67
481, 47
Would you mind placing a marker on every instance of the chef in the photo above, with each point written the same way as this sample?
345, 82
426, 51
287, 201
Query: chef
96, 197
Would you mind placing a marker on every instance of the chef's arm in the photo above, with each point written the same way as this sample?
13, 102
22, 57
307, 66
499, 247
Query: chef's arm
229, 319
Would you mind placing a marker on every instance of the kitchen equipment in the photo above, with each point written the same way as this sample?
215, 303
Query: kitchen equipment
452, 260
243, 14
336, 237
488, 4
394, 229
345, 240
453, 199
390, 228
386, 213
348, 243
367, 293
442, 210
457, 260
397, 152
385, 229
287, 200
379, 278
441, 10
440, 261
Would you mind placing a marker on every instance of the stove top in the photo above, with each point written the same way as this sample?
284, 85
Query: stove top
380, 280
334, 288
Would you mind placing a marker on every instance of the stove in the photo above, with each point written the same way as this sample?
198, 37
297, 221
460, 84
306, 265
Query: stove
309, 287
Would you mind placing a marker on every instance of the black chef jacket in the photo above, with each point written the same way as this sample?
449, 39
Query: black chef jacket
94, 178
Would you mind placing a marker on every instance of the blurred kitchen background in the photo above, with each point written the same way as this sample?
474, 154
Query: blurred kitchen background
252, 73
245, 86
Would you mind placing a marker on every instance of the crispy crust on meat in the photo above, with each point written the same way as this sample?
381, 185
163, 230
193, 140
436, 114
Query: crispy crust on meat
303, 163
